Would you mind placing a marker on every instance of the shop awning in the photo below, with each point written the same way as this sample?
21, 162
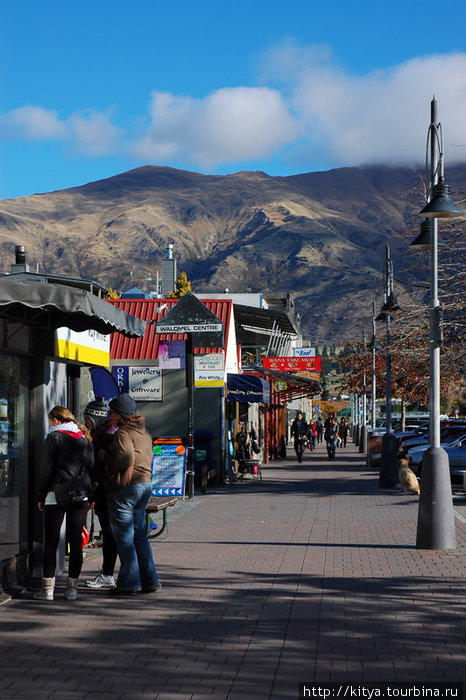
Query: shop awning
52, 306
247, 389
292, 386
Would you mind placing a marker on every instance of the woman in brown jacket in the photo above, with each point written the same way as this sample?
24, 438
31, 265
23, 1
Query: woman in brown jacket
128, 479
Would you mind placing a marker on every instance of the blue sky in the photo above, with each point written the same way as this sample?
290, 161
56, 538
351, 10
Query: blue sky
92, 88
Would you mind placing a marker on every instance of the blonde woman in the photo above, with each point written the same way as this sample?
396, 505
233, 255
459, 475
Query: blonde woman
65, 489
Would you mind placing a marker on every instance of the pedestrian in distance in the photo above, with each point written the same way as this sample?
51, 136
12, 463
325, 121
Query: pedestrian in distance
299, 433
320, 429
129, 486
330, 436
65, 489
102, 430
312, 434
343, 429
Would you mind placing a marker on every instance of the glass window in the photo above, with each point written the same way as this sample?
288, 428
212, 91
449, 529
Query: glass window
13, 456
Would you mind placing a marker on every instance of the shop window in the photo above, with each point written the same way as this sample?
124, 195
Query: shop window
13, 456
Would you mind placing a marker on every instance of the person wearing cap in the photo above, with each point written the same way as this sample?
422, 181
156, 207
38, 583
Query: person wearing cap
102, 430
128, 481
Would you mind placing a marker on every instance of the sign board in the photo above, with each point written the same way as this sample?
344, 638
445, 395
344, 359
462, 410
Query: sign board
142, 383
189, 328
293, 364
87, 346
168, 469
209, 370
304, 352
172, 354
190, 315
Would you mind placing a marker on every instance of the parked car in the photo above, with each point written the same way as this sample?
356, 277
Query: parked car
456, 451
447, 435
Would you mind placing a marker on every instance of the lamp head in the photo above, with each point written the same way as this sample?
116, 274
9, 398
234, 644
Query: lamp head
424, 240
441, 206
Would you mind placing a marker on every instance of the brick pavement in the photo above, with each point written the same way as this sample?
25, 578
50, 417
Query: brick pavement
311, 575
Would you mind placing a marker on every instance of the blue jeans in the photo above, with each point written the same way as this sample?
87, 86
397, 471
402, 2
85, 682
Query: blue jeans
127, 509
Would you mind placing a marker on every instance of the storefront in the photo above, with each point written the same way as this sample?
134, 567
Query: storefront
39, 368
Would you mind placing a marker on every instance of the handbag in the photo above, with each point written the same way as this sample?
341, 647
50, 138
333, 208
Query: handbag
74, 490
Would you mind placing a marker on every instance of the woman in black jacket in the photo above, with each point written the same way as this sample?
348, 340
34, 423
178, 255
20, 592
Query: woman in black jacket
68, 454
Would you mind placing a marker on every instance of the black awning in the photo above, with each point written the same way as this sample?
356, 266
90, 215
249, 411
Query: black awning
52, 306
247, 389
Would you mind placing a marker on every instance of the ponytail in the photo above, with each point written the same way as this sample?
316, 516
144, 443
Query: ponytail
64, 415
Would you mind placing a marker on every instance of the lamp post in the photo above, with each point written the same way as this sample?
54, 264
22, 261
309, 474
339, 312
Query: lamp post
436, 523
373, 346
388, 477
363, 433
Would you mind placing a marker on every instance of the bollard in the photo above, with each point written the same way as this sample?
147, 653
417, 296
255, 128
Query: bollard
388, 477
363, 439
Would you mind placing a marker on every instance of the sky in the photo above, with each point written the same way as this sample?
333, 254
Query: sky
93, 88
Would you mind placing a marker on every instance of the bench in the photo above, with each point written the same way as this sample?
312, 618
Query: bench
155, 505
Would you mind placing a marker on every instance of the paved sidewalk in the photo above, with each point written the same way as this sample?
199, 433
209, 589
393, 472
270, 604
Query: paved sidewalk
310, 575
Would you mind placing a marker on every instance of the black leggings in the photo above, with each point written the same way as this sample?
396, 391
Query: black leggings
75, 520
109, 547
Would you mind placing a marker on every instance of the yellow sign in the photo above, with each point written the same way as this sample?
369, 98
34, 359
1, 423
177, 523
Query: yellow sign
89, 346
279, 385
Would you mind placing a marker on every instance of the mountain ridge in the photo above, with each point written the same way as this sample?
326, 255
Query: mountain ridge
321, 236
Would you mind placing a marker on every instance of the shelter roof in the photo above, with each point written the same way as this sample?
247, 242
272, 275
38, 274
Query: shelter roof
44, 305
152, 311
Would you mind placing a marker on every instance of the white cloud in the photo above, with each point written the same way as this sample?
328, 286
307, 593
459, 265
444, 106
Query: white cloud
231, 124
312, 112
94, 134
32, 123
382, 116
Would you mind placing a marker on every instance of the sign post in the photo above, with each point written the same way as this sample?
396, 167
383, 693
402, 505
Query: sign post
203, 330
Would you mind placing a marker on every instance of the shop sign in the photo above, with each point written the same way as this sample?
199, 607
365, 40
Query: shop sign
142, 383
293, 364
87, 346
209, 370
304, 352
168, 468
280, 386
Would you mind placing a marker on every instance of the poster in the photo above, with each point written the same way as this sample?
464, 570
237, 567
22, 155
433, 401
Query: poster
168, 469
172, 354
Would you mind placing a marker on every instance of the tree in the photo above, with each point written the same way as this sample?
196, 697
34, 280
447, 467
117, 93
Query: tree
112, 294
182, 285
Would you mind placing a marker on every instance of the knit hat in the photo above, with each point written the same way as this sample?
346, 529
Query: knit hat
97, 411
124, 405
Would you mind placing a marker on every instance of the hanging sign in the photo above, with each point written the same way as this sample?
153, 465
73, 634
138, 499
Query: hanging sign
293, 364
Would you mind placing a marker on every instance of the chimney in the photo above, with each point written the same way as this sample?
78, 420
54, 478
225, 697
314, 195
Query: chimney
20, 261
168, 270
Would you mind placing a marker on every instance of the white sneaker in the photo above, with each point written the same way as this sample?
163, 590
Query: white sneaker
101, 581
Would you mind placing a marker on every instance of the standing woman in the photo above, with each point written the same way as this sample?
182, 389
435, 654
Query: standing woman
129, 486
68, 456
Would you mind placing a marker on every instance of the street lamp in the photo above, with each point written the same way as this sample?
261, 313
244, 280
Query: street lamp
388, 477
436, 522
373, 346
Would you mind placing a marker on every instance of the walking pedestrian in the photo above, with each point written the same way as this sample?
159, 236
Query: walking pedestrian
299, 432
102, 430
331, 435
128, 479
343, 431
320, 429
65, 489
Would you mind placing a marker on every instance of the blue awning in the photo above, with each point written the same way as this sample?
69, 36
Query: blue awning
247, 388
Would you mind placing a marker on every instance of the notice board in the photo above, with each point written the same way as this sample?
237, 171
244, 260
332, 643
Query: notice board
168, 467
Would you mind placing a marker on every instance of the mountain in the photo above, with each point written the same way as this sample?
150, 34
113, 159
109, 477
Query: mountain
320, 235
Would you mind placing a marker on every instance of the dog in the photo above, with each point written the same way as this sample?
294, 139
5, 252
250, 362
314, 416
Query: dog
408, 479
